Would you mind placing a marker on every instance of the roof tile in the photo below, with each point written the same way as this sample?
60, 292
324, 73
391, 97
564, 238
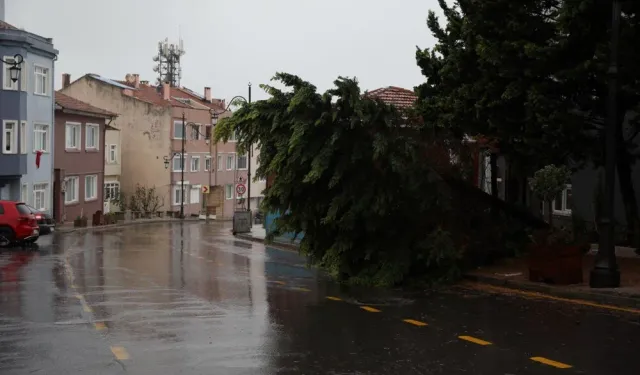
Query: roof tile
401, 98
68, 102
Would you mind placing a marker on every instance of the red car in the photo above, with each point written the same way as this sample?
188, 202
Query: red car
17, 224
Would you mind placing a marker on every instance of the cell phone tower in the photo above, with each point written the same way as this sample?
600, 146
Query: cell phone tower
168, 63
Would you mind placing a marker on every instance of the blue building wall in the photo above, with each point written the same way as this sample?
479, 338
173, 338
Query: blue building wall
18, 171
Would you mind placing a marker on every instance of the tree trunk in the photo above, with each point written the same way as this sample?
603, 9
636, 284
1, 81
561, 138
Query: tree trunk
550, 213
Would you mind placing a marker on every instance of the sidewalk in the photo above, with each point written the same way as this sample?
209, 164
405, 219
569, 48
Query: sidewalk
514, 273
259, 234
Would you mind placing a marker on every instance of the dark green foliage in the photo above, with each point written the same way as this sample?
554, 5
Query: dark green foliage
353, 178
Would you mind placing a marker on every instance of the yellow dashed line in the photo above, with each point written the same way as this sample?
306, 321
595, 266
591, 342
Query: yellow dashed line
415, 322
474, 340
100, 326
549, 362
280, 282
120, 353
333, 298
302, 289
369, 309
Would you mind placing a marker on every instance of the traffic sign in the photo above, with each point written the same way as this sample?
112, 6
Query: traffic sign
241, 189
205, 190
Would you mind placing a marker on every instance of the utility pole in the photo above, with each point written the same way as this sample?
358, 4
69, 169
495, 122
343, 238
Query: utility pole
605, 272
184, 165
249, 166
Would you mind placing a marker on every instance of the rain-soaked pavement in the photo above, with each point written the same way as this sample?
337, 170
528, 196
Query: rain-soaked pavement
191, 299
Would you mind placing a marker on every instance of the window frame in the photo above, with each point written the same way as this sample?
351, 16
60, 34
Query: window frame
246, 157
109, 186
24, 192
47, 137
24, 144
174, 194
194, 159
196, 132
96, 139
76, 190
6, 78
93, 177
231, 160
207, 160
45, 196
565, 211
173, 162
192, 195
176, 124
220, 161
112, 148
77, 138
47, 79
226, 197
14, 137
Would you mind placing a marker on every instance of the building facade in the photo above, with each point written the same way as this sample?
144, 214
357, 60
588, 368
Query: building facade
112, 169
79, 158
27, 116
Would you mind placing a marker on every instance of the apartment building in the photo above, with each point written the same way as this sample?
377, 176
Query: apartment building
26, 117
154, 121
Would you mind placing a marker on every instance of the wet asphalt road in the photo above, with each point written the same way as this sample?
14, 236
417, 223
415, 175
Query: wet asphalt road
191, 299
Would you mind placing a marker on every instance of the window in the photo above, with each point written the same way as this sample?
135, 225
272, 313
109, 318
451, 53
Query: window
242, 161
228, 191
219, 162
562, 203
9, 137
72, 136
23, 137
42, 81
40, 196
207, 163
41, 137
111, 191
71, 190
90, 187
8, 84
230, 162
196, 130
207, 132
195, 194
92, 137
112, 157
24, 193
178, 130
195, 163
178, 162
234, 137
178, 194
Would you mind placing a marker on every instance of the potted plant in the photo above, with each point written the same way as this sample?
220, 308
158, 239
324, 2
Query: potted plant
555, 254
109, 218
80, 221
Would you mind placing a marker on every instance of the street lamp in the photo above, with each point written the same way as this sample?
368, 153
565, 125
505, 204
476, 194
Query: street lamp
605, 272
14, 71
167, 160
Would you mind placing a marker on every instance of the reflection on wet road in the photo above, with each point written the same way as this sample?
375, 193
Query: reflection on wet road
192, 299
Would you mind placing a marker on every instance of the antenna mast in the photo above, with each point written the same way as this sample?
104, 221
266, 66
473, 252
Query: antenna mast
168, 62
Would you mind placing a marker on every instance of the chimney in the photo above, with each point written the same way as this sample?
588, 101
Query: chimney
166, 91
207, 94
136, 81
66, 80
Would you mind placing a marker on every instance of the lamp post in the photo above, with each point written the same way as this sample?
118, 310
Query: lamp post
214, 117
605, 272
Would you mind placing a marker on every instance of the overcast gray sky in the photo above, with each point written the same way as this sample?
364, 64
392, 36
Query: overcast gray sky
232, 42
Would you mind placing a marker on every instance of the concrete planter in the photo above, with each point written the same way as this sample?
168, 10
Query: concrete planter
558, 264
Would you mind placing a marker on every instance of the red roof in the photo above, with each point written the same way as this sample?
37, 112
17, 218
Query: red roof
401, 98
67, 102
153, 95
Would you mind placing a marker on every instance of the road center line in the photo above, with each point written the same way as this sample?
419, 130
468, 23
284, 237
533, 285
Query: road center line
280, 282
550, 362
333, 298
120, 353
302, 289
369, 309
474, 340
415, 322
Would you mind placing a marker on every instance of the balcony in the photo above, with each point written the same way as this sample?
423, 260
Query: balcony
13, 164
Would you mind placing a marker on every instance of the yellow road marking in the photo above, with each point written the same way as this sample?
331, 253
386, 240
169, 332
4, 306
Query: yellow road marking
86, 307
474, 340
302, 289
549, 362
415, 322
120, 353
333, 298
369, 309
499, 289
100, 326
280, 282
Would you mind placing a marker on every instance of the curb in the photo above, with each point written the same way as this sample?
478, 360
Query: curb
120, 225
278, 244
605, 297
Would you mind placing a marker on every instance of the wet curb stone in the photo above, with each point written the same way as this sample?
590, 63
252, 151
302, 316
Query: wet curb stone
604, 297
120, 225
279, 244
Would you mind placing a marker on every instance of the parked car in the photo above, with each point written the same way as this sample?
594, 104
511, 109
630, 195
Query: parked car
17, 224
44, 220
